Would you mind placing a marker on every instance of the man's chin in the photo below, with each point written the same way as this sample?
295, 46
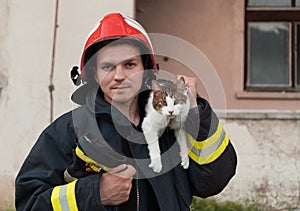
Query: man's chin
122, 98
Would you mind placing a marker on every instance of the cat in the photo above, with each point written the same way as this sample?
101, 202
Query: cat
168, 105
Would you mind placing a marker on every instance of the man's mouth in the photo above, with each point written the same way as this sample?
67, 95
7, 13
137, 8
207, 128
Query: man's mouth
120, 87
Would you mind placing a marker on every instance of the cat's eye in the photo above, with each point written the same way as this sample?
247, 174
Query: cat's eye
161, 103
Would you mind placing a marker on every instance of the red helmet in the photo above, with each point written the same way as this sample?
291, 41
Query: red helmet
115, 26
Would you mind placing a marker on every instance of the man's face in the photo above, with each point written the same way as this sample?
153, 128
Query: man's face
119, 72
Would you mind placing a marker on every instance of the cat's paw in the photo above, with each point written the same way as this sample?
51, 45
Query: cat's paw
185, 162
156, 164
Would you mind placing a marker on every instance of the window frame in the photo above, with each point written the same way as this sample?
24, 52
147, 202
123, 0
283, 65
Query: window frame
297, 46
274, 14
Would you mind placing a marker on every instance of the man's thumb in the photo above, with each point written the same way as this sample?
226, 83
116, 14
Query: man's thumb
124, 170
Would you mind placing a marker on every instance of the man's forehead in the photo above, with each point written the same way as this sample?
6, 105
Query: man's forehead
119, 59
118, 53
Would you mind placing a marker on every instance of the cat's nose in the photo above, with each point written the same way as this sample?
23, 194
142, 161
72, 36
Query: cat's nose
171, 112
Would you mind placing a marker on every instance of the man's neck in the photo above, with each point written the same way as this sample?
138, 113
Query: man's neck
130, 110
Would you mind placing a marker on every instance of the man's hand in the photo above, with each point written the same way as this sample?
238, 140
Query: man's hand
115, 186
191, 85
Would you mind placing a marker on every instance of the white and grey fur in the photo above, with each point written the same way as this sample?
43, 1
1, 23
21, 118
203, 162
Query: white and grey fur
168, 105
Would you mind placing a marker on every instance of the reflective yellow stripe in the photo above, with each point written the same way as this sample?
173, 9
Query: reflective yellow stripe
55, 199
213, 156
63, 197
209, 141
204, 152
88, 160
71, 196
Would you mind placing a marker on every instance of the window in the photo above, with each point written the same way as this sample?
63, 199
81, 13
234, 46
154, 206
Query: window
272, 45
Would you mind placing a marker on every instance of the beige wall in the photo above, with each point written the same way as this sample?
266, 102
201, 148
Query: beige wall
264, 130
216, 28
268, 163
26, 43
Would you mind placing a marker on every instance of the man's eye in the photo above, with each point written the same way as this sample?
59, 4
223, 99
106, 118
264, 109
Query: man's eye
130, 65
107, 67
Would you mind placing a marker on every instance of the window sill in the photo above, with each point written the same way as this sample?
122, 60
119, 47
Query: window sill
268, 95
242, 114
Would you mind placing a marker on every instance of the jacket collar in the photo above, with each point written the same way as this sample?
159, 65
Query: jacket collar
96, 104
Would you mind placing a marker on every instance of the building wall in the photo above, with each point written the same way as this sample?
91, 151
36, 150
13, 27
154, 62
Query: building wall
268, 162
26, 49
263, 127
216, 28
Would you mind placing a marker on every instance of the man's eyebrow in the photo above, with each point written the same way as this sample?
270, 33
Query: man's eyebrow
105, 63
131, 59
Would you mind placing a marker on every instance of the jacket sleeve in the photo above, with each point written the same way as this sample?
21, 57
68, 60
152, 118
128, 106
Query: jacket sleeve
40, 184
212, 157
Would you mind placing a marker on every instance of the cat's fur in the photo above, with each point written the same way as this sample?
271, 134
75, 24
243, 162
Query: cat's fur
168, 105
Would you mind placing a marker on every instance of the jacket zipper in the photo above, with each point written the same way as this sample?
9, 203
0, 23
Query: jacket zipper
137, 193
137, 181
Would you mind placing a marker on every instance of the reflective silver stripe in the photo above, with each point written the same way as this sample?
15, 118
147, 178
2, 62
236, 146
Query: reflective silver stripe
209, 150
63, 198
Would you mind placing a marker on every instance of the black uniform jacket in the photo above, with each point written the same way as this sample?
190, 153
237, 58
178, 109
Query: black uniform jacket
40, 183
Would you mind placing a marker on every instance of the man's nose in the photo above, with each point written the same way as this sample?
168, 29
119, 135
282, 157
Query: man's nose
119, 73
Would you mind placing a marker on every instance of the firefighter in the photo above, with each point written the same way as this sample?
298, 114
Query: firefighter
94, 157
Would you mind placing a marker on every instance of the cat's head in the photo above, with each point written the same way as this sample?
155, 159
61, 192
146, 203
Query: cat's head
169, 98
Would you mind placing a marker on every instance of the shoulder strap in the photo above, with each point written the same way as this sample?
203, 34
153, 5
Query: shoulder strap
91, 141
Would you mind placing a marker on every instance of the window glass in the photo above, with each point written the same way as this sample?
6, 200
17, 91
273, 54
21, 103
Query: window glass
298, 3
269, 53
270, 2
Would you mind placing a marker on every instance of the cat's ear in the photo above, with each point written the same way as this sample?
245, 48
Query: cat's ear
155, 85
180, 84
